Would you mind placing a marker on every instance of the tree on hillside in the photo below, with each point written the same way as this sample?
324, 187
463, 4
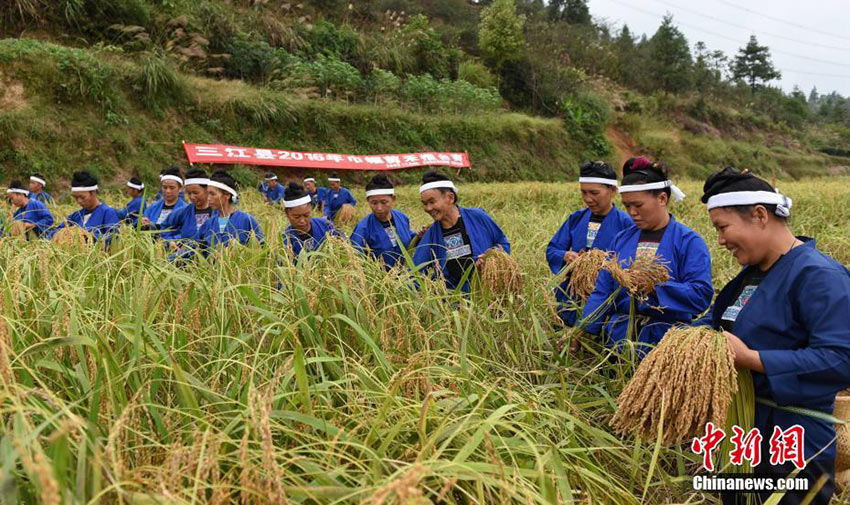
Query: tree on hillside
670, 58
753, 65
574, 12
708, 67
500, 32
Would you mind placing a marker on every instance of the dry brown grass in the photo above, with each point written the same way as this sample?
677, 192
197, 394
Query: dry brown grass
687, 381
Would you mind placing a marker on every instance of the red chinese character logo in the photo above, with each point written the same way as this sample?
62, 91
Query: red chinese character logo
747, 446
704, 445
787, 446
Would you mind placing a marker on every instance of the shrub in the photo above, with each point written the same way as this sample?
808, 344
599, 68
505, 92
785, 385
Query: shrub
382, 85
251, 60
476, 73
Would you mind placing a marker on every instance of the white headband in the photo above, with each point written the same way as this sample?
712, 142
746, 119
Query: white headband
17, 190
38, 180
437, 185
678, 195
139, 187
379, 192
735, 198
169, 177
304, 200
334, 179
80, 189
599, 180
201, 181
272, 178
309, 179
223, 187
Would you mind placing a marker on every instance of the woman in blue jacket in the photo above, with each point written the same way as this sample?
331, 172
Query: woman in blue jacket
336, 196
33, 213
304, 233
227, 223
786, 317
94, 216
171, 186
385, 231
134, 208
593, 227
655, 235
453, 245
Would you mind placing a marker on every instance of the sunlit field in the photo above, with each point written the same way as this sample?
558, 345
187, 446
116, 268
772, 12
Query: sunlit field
125, 379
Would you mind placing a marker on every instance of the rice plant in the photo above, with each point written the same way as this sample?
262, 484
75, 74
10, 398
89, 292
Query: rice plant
128, 379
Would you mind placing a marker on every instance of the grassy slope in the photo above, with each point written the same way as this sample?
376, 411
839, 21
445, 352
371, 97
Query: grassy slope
66, 109
55, 128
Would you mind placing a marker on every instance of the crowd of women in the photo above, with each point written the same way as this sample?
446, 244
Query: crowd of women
785, 314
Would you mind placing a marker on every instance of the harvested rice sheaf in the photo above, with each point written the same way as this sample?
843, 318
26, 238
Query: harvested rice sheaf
345, 215
71, 236
500, 273
692, 373
641, 277
584, 271
18, 228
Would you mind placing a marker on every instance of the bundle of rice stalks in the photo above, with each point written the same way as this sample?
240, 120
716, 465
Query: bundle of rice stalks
18, 229
344, 216
71, 236
742, 412
584, 271
641, 277
692, 374
500, 273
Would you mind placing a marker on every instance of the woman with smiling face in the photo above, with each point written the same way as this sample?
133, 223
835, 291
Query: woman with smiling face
786, 316
304, 233
385, 231
227, 223
654, 235
459, 236
593, 227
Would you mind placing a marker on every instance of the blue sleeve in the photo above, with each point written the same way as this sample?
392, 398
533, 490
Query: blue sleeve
172, 225
707, 319
558, 247
822, 368
351, 199
692, 292
326, 208
255, 227
110, 222
358, 236
123, 213
44, 220
423, 253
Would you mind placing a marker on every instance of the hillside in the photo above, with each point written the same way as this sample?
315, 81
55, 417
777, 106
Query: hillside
116, 86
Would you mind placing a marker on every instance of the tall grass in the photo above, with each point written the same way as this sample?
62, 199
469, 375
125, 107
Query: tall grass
125, 379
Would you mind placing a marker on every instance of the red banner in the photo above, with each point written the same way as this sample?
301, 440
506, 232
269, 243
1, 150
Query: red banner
209, 153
